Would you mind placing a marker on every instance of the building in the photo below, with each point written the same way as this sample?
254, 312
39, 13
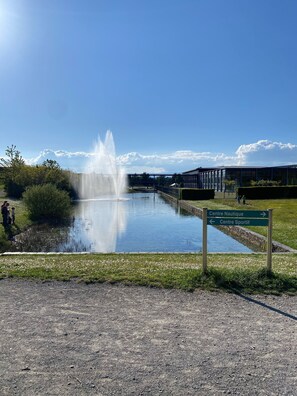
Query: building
219, 178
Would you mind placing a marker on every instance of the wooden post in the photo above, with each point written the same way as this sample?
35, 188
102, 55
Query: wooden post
204, 240
269, 242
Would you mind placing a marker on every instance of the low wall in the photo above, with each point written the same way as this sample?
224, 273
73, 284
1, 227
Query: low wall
247, 237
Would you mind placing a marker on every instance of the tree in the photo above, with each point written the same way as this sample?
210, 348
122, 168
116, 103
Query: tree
265, 182
47, 203
145, 178
161, 180
52, 164
12, 165
229, 185
14, 158
177, 178
17, 176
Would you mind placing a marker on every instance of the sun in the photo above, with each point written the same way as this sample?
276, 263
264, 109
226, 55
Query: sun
8, 24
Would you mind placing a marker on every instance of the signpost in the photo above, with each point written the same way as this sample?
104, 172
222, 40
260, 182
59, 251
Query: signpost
259, 214
237, 222
243, 218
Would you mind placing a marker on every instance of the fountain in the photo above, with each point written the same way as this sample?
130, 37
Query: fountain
100, 221
101, 216
102, 176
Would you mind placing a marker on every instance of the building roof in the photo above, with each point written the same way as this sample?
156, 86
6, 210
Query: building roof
202, 169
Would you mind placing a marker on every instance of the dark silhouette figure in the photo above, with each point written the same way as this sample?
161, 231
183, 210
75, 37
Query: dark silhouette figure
5, 213
12, 215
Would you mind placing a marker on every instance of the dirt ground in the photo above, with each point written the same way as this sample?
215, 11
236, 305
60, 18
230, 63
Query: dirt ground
67, 338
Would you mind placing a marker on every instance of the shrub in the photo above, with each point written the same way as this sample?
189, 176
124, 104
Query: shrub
193, 194
18, 179
4, 244
275, 192
47, 202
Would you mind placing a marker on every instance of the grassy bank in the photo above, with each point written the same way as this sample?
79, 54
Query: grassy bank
284, 216
229, 272
21, 222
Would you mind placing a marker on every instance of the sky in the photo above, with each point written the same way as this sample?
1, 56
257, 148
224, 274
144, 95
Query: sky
179, 83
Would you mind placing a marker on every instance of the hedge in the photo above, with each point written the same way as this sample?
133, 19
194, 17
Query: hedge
192, 194
268, 192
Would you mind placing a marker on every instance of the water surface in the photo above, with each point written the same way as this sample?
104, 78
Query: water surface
141, 222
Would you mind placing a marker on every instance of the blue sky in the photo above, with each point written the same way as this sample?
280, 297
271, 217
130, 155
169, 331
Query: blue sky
180, 83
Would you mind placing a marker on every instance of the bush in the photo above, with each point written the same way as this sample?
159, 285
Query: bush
4, 244
193, 194
18, 179
275, 192
47, 202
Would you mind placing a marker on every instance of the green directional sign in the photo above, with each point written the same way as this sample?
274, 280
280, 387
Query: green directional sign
243, 218
243, 222
254, 214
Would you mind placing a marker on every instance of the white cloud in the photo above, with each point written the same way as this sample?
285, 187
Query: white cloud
68, 160
178, 161
263, 152
267, 153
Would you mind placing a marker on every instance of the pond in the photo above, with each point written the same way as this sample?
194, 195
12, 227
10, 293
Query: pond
140, 222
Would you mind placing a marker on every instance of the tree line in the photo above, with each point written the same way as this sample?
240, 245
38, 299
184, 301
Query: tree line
46, 188
147, 180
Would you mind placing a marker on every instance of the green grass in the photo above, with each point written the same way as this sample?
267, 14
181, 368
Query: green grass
21, 222
229, 272
284, 216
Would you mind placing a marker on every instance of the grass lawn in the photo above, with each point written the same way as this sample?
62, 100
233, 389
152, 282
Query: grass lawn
229, 272
284, 216
21, 219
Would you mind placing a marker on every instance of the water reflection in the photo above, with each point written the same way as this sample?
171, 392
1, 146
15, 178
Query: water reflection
141, 222
96, 225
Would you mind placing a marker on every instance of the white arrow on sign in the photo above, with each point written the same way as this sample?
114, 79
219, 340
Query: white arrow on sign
212, 221
263, 214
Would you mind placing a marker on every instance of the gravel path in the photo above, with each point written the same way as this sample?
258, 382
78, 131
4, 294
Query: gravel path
100, 339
